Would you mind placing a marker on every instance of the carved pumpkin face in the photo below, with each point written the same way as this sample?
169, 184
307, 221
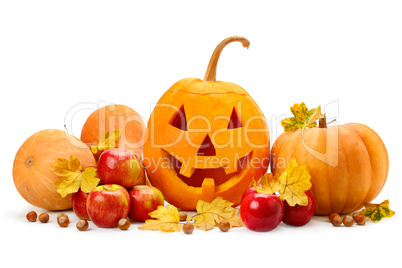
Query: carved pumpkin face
205, 139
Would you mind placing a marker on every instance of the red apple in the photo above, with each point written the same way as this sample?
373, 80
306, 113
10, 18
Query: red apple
261, 212
107, 204
299, 215
79, 204
144, 199
119, 166
250, 190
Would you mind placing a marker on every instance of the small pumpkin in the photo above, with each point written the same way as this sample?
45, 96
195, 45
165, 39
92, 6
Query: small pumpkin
114, 117
34, 179
206, 138
348, 163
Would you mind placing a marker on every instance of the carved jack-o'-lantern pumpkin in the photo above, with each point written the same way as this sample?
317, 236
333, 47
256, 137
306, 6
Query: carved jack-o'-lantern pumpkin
206, 138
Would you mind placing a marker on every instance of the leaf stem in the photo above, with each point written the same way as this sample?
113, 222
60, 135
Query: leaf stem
217, 214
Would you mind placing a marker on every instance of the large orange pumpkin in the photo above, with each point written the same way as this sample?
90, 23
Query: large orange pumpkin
348, 164
206, 138
113, 117
34, 179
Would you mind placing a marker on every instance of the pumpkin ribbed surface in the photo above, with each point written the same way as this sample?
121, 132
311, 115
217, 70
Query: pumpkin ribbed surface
33, 178
348, 164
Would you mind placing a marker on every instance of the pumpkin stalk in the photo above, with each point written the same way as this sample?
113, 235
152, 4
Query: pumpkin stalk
322, 122
210, 74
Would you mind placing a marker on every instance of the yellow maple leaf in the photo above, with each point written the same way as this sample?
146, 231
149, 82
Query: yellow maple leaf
210, 214
167, 220
303, 117
377, 212
73, 177
109, 140
291, 184
296, 181
269, 184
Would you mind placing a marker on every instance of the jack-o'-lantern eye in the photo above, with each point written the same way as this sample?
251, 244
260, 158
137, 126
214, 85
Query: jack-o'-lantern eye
234, 121
179, 120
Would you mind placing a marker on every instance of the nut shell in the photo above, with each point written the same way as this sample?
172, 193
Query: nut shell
63, 220
31, 216
123, 224
182, 215
82, 225
332, 215
360, 219
44, 218
224, 226
188, 228
348, 221
336, 220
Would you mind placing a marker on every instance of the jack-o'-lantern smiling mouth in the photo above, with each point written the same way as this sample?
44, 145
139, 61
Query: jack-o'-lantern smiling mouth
205, 164
195, 176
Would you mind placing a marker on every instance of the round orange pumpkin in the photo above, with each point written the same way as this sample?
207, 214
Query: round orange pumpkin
114, 117
348, 164
34, 179
206, 138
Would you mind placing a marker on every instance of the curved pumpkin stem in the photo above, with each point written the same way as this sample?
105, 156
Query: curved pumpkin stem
210, 74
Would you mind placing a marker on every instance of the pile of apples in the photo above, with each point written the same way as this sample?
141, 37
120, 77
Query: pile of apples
117, 197
264, 212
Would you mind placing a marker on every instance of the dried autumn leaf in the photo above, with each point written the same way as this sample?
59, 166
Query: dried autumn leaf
210, 214
296, 181
269, 184
376, 212
167, 220
303, 117
109, 140
291, 184
73, 177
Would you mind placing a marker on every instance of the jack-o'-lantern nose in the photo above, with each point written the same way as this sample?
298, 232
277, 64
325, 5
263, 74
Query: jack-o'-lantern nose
207, 148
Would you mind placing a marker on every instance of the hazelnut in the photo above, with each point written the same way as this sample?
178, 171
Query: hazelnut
348, 221
61, 215
63, 220
31, 216
336, 220
359, 218
183, 215
82, 225
224, 226
44, 218
123, 224
188, 228
332, 215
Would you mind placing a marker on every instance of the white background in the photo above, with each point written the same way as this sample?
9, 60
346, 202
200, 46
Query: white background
57, 54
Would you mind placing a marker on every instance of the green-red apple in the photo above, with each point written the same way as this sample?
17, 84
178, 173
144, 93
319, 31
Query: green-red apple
144, 199
107, 204
119, 166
